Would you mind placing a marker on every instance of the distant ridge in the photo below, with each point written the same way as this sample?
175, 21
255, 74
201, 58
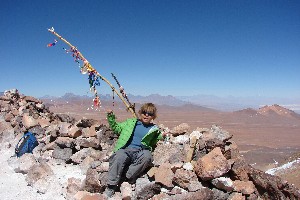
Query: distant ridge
154, 98
272, 110
233, 103
277, 110
158, 99
189, 107
228, 104
247, 111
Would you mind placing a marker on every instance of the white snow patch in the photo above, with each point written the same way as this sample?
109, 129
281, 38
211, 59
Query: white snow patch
283, 167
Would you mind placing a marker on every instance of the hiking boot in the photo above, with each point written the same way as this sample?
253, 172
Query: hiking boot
130, 180
110, 190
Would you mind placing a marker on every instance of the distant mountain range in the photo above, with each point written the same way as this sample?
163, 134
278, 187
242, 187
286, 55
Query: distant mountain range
229, 103
154, 98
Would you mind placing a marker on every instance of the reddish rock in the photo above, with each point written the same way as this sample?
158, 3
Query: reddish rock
103, 167
245, 187
8, 117
202, 194
94, 197
87, 142
50, 146
43, 122
92, 183
272, 187
74, 132
151, 172
236, 196
212, 165
183, 178
63, 128
164, 175
29, 121
37, 172
240, 170
180, 129
89, 132
31, 99
231, 150
84, 195
160, 196
86, 164
79, 156
73, 186
64, 142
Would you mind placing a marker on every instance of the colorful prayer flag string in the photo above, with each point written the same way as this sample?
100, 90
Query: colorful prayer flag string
52, 44
94, 76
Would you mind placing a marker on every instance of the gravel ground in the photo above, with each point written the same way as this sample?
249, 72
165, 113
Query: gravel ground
13, 186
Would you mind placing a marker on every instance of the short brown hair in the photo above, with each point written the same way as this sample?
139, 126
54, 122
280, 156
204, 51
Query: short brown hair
149, 107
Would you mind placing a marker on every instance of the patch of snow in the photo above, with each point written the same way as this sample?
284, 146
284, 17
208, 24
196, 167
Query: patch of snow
14, 186
283, 167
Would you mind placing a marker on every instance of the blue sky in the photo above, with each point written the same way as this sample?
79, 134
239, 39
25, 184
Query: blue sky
167, 47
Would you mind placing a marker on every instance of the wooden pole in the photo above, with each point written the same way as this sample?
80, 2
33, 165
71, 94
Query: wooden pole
91, 69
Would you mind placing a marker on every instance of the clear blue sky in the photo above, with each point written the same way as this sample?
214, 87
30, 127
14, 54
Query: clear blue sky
168, 47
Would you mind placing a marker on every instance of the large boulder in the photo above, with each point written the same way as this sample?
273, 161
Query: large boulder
212, 165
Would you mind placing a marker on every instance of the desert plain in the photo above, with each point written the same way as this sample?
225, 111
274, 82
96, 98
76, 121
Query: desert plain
267, 138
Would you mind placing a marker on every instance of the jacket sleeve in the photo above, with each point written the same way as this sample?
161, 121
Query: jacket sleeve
160, 137
115, 126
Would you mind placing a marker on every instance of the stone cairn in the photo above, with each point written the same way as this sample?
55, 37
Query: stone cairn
201, 164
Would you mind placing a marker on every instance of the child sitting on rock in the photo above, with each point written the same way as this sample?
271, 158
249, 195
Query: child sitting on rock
132, 153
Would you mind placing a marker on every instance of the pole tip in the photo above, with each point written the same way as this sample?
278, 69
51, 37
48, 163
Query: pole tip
51, 29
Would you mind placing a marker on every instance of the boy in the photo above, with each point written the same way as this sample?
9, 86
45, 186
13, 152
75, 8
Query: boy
137, 138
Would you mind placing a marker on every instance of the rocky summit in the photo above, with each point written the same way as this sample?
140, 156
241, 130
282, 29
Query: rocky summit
202, 164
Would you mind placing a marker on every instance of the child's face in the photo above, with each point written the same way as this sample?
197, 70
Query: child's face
146, 117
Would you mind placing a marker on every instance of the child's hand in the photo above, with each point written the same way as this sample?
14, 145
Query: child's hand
109, 111
164, 134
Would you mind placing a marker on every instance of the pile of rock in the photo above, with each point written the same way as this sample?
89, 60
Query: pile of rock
202, 164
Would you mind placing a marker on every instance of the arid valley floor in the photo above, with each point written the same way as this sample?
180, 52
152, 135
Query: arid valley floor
266, 140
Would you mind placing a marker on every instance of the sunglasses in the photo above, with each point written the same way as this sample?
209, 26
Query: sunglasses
148, 113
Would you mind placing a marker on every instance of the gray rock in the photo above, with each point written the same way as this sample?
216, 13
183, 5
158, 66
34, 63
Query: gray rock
85, 123
219, 195
145, 189
25, 162
62, 154
66, 118
168, 153
65, 142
